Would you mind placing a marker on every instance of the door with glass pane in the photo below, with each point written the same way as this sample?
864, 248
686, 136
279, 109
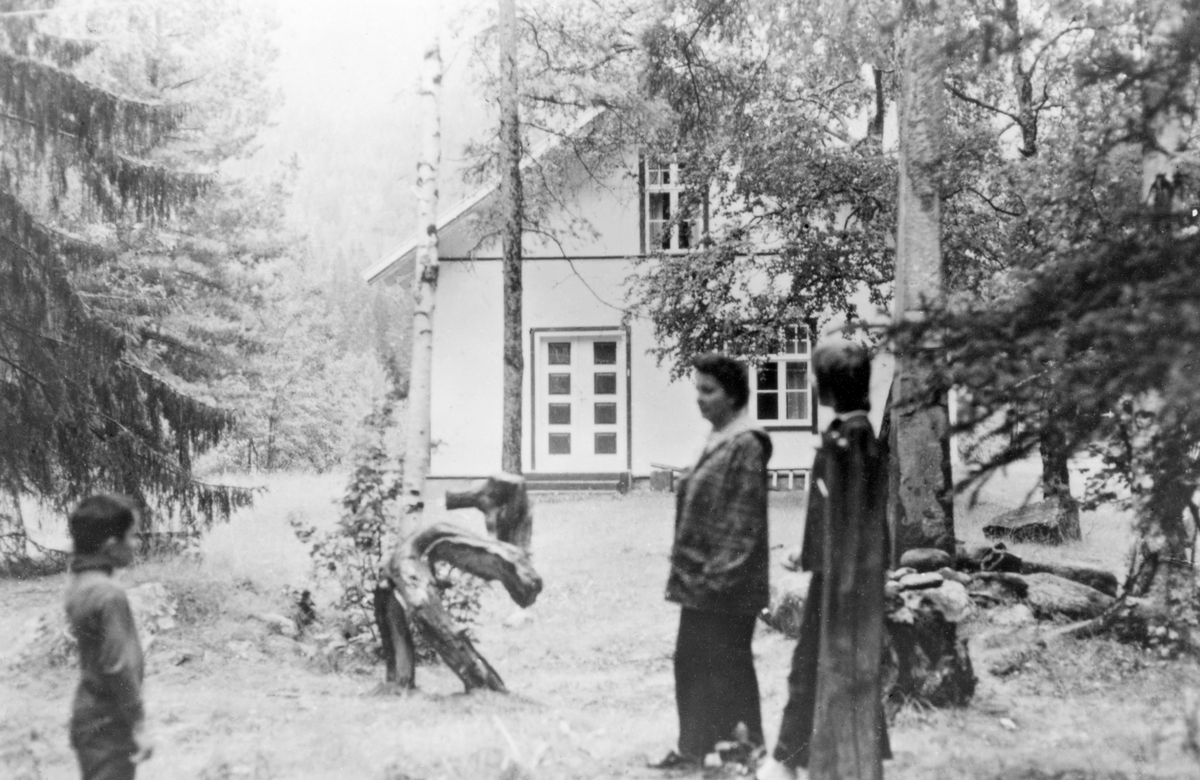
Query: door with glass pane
580, 402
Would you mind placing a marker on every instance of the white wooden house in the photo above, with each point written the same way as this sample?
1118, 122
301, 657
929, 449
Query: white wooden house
597, 407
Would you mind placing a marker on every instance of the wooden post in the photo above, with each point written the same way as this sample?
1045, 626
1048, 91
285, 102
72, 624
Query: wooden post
511, 196
923, 512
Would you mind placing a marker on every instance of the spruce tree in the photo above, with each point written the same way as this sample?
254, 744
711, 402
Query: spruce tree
84, 404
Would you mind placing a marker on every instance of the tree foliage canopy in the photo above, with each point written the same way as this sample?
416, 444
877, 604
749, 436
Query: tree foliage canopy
112, 262
1097, 321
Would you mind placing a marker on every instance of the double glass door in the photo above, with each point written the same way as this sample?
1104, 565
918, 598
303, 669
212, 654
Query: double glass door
580, 402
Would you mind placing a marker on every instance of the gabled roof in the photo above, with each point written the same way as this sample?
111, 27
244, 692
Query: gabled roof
398, 264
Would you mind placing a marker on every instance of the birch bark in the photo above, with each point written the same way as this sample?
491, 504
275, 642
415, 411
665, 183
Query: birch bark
408, 576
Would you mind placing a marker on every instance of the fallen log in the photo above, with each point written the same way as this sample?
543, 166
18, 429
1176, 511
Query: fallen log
1100, 579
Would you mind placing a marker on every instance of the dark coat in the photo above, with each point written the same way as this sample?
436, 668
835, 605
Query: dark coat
719, 560
852, 435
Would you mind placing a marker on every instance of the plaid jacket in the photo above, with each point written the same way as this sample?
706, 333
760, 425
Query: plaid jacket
720, 557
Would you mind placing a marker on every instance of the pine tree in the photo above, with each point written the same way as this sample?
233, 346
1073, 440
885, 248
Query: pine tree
84, 405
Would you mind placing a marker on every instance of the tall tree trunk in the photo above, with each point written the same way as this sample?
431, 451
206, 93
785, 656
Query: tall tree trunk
923, 514
411, 578
1163, 575
1056, 476
511, 196
1053, 448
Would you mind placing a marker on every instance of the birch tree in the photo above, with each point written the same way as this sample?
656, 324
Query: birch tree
408, 595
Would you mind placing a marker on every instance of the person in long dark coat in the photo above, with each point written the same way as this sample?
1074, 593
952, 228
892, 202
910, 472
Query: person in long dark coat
719, 564
836, 665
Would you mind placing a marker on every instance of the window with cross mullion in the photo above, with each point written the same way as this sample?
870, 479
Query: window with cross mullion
782, 384
670, 227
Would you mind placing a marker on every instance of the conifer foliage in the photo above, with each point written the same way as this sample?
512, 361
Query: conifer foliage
83, 406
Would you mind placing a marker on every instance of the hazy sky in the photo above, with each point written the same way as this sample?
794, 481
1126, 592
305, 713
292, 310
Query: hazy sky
349, 70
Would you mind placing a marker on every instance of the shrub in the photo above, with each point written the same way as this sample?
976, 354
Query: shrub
350, 557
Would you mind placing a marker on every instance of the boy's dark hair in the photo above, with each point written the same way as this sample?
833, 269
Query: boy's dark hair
730, 374
100, 518
843, 369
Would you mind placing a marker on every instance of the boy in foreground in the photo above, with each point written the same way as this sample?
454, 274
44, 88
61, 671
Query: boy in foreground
106, 716
836, 666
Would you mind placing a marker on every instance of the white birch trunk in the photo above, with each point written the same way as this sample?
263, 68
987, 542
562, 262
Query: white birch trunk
405, 588
410, 592
425, 278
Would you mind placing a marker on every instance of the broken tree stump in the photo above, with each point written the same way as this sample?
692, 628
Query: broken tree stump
505, 505
410, 592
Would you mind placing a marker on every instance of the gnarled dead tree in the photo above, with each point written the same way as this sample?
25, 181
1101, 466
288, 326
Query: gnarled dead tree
414, 596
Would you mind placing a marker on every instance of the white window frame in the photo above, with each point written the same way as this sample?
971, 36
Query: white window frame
662, 178
797, 349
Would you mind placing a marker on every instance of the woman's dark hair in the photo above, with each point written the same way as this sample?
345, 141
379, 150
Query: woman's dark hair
98, 519
730, 374
843, 369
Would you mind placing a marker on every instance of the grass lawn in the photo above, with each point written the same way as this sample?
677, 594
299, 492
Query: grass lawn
590, 674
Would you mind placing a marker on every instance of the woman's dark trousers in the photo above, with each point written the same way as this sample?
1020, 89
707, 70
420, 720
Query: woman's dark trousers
715, 684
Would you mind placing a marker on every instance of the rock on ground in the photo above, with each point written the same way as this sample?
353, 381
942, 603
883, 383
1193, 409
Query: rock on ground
1049, 522
1051, 595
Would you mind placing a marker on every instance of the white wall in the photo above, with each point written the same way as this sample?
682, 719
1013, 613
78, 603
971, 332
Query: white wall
468, 371
585, 292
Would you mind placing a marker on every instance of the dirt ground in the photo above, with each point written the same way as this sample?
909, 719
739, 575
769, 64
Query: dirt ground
590, 673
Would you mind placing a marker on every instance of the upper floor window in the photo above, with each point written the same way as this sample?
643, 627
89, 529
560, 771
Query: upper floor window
670, 226
781, 387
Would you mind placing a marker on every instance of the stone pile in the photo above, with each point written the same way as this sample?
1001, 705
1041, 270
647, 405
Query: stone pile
988, 589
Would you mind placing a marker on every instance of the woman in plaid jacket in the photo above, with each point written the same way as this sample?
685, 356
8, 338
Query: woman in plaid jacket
719, 568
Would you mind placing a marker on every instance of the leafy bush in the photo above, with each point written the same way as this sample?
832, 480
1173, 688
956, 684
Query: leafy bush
350, 557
